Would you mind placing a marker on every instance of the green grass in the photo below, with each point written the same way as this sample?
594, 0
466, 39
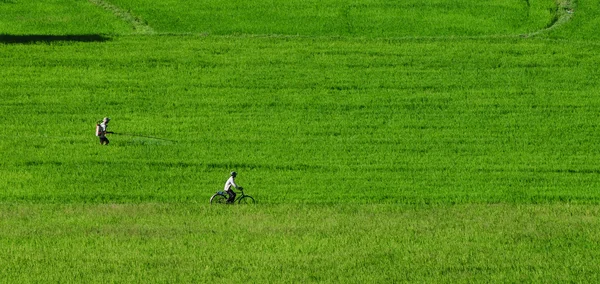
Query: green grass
290, 243
57, 17
367, 18
379, 148
362, 120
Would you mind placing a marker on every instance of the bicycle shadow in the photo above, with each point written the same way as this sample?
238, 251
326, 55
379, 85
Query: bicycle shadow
48, 39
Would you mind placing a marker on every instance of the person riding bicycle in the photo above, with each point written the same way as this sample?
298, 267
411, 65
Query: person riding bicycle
229, 184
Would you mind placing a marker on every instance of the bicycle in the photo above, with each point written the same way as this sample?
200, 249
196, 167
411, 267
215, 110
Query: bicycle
220, 197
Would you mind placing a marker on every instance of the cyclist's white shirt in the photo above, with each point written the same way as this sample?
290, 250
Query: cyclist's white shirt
230, 182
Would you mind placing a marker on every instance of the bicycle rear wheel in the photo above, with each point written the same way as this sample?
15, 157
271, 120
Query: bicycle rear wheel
218, 199
246, 200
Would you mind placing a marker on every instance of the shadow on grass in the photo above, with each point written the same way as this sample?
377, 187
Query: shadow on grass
47, 39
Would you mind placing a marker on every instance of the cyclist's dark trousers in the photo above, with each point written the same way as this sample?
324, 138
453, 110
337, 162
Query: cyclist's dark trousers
231, 196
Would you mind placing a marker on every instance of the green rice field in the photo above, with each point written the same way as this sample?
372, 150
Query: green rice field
384, 142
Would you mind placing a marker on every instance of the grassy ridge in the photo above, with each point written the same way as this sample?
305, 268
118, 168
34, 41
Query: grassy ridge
356, 244
305, 120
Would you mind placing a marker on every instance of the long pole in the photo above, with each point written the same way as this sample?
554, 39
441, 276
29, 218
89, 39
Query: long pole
144, 136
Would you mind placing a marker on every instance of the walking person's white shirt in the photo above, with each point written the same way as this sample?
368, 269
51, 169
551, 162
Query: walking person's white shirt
229, 183
101, 129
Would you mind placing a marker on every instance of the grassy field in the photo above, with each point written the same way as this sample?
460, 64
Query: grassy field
434, 142
157, 242
303, 120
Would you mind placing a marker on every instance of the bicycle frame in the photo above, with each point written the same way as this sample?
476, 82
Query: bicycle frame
238, 197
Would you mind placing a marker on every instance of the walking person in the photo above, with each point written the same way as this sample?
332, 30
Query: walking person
229, 185
101, 131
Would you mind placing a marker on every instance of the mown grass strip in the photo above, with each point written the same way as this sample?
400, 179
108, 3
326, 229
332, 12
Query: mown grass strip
138, 24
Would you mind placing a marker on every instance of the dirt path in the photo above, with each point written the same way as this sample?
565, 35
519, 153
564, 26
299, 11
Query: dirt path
139, 26
564, 12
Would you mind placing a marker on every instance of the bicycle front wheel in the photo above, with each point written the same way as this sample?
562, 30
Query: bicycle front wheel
246, 200
218, 199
